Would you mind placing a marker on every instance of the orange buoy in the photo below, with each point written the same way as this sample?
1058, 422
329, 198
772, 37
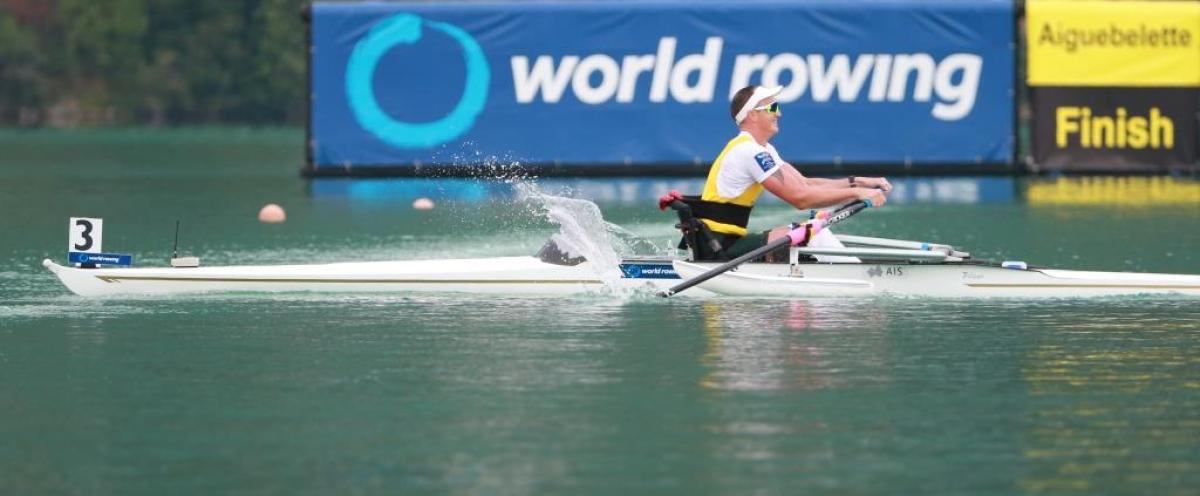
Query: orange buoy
423, 204
272, 214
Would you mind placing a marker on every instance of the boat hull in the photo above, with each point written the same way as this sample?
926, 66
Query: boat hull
941, 280
506, 275
533, 276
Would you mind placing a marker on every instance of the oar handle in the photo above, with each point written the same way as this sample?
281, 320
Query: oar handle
797, 235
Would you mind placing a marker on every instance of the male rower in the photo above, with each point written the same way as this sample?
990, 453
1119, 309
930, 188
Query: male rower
749, 164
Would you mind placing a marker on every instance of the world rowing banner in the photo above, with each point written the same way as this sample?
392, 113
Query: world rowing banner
642, 85
1115, 86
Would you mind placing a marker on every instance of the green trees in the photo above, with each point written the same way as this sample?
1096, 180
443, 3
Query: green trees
21, 77
83, 62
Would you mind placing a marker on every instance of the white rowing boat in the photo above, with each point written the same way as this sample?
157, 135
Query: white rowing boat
886, 266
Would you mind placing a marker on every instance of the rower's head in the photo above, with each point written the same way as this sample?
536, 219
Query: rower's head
755, 110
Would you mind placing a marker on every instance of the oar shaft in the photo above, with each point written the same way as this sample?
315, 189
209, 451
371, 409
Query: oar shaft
838, 216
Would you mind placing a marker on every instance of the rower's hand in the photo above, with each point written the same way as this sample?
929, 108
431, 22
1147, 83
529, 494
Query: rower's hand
877, 196
873, 182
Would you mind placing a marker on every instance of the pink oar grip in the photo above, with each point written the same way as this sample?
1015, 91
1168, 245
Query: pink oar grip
800, 234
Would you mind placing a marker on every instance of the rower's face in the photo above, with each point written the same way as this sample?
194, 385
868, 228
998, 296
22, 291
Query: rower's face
766, 115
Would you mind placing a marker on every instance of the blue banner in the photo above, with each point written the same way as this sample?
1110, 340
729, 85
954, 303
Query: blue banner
575, 84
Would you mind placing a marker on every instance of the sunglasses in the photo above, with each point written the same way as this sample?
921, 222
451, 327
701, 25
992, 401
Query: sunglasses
773, 108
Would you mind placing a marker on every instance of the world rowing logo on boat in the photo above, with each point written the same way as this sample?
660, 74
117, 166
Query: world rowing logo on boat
360, 92
648, 271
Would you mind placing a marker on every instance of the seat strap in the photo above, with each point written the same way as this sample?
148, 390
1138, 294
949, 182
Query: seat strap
725, 213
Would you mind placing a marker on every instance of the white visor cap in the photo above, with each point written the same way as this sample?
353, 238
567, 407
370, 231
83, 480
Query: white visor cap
760, 93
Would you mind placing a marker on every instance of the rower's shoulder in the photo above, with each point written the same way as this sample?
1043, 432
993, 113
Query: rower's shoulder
743, 153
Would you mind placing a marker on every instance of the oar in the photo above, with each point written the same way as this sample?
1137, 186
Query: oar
795, 236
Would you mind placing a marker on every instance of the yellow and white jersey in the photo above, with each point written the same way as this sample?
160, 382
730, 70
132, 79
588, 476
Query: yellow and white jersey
737, 174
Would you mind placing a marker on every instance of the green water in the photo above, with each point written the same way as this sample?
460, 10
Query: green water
600, 394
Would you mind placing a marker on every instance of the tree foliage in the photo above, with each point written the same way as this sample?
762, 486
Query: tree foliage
153, 61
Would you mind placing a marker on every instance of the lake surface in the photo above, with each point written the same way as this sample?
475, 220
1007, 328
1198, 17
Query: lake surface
599, 394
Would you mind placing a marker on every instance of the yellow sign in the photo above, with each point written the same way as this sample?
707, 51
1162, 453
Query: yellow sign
1107, 43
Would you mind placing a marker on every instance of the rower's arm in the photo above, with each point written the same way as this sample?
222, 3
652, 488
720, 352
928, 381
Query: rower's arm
801, 192
828, 183
844, 182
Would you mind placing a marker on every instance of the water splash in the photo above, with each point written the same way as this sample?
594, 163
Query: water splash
630, 244
582, 232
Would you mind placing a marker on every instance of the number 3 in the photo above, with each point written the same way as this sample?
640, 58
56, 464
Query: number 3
86, 235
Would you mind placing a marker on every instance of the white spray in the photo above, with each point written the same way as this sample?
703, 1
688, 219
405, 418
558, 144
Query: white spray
582, 232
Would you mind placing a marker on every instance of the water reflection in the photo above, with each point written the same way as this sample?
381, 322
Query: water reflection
1112, 190
1115, 403
796, 345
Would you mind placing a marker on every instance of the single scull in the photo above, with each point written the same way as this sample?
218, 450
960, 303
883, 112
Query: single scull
886, 266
